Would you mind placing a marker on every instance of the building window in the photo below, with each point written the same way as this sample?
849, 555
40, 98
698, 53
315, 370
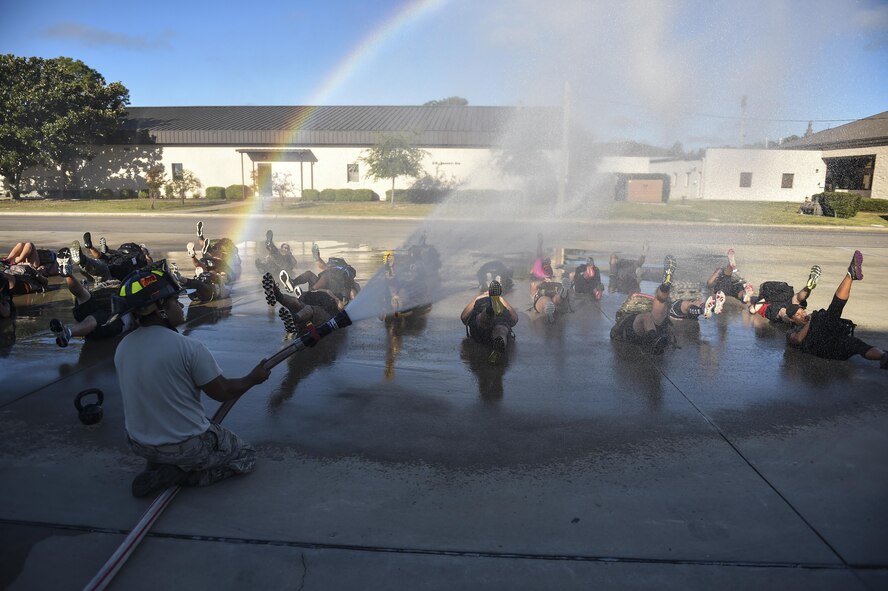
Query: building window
177, 171
746, 179
353, 173
786, 182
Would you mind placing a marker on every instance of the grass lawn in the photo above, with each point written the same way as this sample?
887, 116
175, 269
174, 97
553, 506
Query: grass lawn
735, 212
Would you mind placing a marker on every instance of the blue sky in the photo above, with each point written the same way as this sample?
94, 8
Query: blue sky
653, 71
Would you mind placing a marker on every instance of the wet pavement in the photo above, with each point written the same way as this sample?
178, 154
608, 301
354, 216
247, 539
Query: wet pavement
397, 457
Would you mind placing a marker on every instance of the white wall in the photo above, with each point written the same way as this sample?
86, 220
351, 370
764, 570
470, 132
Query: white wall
685, 177
624, 164
722, 168
221, 166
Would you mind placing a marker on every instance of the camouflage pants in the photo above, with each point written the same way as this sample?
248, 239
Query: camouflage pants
212, 456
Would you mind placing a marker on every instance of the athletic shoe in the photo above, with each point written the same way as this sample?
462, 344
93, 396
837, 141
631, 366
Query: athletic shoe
668, 269
200, 230
269, 239
151, 482
709, 307
285, 279
62, 333
499, 349
103, 245
855, 269
488, 278
75, 252
174, 270
206, 247
813, 276
87, 240
494, 288
732, 262
719, 302
315, 251
63, 258
550, 312
190, 248
288, 320
271, 289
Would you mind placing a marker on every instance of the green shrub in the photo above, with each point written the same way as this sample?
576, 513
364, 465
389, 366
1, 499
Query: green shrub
106, 194
143, 193
874, 205
126, 194
237, 192
840, 205
343, 195
311, 195
215, 192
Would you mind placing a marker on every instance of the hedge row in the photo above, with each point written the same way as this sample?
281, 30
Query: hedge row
840, 205
237, 192
215, 192
874, 205
418, 195
340, 195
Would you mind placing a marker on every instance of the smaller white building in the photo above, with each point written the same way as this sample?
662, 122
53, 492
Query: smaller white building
762, 175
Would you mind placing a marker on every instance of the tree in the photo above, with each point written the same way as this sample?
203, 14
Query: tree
282, 184
54, 113
155, 178
187, 182
393, 157
451, 100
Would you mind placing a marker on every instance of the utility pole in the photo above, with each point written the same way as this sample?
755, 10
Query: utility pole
565, 151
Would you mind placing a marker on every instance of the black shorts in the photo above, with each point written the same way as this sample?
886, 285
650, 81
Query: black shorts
729, 285
92, 307
46, 257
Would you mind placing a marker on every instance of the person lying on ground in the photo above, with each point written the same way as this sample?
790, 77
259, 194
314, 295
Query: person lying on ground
276, 259
162, 374
296, 312
22, 279
206, 287
219, 255
550, 296
645, 320
336, 276
95, 319
586, 278
780, 303
489, 318
42, 260
495, 271
724, 279
410, 287
625, 274
109, 265
827, 335
7, 306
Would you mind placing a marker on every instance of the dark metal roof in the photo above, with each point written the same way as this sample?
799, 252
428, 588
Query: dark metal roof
438, 126
863, 133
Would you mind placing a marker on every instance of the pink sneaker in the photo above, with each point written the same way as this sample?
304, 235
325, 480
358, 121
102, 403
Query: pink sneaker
719, 302
748, 290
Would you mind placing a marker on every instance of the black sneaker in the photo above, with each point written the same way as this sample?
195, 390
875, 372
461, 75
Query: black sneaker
668, 269
62, 333
288, 320
269, 239
550, 312
206, 247
87, 240
200, 230
63, 259
855, 269
285, 279
269, 286
153, 481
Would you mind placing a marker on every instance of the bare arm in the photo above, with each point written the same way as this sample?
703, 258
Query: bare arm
224, 389
797, 336
467, 311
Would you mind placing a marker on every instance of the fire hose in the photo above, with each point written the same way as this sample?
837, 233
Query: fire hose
151, 514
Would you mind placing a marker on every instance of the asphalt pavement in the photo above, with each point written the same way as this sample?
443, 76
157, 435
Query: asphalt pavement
397, 458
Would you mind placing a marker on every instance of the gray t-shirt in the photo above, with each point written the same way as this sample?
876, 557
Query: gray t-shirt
159, 372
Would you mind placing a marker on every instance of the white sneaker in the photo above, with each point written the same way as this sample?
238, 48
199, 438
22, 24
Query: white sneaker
190, 248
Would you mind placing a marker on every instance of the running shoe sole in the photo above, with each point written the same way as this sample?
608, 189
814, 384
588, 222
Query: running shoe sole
550, 312
669, 266
285, 279
719, 302
268, 288
288, 320
856, 266
813, 276
200, 229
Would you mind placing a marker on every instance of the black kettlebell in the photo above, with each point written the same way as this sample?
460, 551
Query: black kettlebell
90, 414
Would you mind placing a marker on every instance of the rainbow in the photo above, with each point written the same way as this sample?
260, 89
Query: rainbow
363, 53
